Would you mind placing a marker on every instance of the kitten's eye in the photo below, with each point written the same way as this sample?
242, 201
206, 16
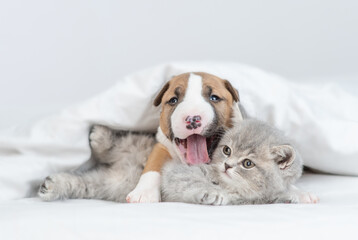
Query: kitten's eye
227, 151
173, 101
247, 163
214, 98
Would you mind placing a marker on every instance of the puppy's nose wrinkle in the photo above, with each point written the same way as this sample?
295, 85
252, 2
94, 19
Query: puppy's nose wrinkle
190, 119
196, 119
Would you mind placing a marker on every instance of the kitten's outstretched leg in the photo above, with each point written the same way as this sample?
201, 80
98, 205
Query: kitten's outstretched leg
99, 183
68, 185
295, 195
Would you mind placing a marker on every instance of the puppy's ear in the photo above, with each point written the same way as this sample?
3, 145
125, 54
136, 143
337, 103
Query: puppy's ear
284, 155
232, 90
158, 98
237, 115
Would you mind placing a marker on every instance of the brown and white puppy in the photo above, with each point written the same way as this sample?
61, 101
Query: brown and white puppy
196, 108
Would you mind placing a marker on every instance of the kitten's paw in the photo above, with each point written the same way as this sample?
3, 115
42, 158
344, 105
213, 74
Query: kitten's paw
306, 197
48, 190
300, 197
213, 198
100, 138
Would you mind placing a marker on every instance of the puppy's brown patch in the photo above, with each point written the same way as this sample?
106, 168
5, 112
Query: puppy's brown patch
157, 158
213, 85
176, 88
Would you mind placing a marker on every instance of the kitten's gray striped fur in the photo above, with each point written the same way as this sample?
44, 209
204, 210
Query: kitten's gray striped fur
277, 167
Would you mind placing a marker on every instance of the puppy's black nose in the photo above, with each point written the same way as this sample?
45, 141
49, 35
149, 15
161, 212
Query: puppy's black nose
193, 122
227, 166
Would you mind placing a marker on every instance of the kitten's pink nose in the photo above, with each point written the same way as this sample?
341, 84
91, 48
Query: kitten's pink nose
193, 122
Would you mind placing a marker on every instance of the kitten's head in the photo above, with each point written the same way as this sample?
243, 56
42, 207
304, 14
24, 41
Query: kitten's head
256, 160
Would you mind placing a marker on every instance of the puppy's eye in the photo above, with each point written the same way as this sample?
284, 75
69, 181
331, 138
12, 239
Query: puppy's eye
214, 98
247, 163
227, 151
173, 101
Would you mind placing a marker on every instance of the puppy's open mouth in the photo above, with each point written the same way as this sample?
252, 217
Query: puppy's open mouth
196, 148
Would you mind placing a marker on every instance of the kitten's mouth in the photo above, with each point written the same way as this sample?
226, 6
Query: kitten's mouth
227, 174
196, 148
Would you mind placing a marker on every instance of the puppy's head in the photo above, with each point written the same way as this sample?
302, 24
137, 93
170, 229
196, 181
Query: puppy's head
196, 108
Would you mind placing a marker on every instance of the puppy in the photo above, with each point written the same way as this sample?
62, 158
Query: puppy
195, 108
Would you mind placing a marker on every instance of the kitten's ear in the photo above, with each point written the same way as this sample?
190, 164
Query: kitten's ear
284, 155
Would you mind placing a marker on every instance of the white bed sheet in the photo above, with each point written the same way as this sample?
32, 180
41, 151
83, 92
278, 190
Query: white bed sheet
335, 217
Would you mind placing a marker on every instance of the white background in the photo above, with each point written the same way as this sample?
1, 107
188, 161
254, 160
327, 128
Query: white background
54, 53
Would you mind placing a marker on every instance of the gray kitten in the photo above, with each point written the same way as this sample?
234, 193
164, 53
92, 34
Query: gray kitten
253, 163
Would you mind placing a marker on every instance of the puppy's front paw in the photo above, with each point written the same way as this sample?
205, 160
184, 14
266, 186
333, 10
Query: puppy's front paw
213, 198
144, 196
48, 190
100, 138
147, 189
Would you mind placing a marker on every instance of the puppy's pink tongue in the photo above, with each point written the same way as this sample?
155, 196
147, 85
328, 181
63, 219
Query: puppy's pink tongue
196, 150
